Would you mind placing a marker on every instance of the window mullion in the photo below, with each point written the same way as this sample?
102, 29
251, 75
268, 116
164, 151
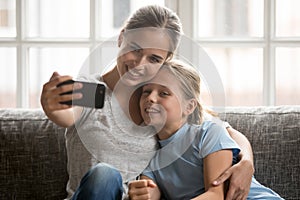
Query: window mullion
22, 64
269, 75
93, 31
93, 21
186, 14
172, 4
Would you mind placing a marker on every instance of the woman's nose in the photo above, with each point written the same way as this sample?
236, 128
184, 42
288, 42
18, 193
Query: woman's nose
137, 62
141, 61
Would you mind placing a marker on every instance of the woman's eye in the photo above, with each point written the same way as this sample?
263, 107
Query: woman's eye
154, 60
135, 49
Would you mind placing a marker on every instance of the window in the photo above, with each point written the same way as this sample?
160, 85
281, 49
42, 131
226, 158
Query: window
40, 37
253, 44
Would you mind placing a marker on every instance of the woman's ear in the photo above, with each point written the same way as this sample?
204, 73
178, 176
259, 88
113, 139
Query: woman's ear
120, 38
190, 106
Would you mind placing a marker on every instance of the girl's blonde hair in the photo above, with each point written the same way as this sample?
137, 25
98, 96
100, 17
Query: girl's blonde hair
189, 80
155, 16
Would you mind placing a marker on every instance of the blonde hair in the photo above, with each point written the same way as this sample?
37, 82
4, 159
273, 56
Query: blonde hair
157, 17
189, 80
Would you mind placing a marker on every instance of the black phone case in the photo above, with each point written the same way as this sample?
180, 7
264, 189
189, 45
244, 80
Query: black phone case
92, 94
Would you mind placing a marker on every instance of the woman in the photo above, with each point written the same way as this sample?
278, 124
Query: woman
147, 40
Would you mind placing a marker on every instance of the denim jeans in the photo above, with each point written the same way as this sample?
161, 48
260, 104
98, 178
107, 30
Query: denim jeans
100, 182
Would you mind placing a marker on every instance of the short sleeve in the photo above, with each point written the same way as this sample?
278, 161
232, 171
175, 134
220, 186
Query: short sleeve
216, 138
148, 172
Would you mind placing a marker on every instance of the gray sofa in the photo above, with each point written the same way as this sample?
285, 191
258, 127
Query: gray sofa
33, 155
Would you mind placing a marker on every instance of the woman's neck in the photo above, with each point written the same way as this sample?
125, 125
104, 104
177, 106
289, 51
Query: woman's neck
111, 78
127, 98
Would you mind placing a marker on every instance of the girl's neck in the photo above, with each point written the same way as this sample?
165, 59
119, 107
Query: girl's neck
167, 132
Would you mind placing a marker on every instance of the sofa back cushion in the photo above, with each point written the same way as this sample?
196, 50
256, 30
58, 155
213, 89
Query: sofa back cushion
274, 133
33, 156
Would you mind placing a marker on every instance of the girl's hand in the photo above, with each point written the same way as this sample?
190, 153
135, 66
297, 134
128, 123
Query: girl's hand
144, 189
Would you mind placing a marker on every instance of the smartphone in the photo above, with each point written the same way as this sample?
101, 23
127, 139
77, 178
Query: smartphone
92, 94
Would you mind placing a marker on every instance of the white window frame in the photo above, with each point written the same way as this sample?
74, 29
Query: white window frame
187, 11
23, 44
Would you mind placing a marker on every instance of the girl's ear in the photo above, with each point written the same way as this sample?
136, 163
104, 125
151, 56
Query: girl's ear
120, 38
190, 106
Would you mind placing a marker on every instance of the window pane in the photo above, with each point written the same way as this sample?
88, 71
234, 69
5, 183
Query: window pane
57, 18
114, 13
287, 18
8, 78
230, 18
7, 18
241, 71
44, 61
102, 59
287, 76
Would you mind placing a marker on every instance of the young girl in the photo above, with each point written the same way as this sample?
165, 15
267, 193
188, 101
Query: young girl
192, 152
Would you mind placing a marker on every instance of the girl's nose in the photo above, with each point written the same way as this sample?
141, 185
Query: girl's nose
152, 97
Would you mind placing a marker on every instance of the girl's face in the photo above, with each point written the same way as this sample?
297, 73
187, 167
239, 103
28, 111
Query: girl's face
162, 103
141, 55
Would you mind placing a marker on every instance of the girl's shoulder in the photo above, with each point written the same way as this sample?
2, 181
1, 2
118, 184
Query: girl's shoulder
208, 124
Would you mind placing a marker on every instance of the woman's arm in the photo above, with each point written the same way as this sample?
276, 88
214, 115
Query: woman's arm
240, 174
142, 189
213, 166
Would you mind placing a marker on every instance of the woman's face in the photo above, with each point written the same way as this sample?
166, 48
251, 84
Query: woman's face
141, 55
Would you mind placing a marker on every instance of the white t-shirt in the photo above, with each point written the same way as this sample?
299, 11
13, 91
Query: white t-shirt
107, 135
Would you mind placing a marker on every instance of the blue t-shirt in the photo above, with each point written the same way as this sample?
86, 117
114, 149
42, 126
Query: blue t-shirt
177, 167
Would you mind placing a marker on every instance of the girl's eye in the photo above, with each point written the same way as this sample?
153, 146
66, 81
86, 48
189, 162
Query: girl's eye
165, 93
146, 92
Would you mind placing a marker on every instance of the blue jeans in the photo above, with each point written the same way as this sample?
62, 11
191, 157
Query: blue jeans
100, 182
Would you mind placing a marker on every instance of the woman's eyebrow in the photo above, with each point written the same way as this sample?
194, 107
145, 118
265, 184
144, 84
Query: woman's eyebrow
137, 46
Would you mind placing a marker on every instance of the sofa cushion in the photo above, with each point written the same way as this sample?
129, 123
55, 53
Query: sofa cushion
274, 133
33, 156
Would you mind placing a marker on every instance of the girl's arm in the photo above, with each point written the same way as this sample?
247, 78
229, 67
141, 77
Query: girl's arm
241, 173
142, 189
213, 166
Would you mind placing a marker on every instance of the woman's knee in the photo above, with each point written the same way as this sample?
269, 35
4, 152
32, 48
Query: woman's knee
101, 182
105, 172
